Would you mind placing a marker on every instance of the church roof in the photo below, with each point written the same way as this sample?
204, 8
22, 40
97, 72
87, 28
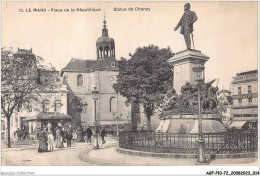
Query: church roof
80, 65
105, 57
105, 63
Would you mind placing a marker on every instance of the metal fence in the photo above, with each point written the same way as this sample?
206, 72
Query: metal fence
233, 141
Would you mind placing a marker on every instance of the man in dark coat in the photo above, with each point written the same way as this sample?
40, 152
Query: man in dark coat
186, 22
24, 133
89, 134
103, 134
18, 132
68, 136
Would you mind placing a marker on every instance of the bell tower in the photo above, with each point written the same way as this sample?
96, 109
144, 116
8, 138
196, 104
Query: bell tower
105, 45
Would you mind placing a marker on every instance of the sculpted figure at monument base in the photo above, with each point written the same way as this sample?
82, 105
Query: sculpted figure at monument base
187, 101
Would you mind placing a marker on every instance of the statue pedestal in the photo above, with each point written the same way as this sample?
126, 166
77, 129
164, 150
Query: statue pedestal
189, 125
186, 120
182, 63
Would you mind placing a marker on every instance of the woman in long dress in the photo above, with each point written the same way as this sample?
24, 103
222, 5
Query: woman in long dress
59, 140
43, 146
50, 141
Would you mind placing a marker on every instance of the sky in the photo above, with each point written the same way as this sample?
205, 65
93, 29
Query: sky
225, 31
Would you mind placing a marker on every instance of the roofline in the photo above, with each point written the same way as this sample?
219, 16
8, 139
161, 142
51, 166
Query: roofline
105, 69
247, 72
92, 70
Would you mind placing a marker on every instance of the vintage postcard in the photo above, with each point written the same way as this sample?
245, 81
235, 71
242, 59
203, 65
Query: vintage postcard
130, 84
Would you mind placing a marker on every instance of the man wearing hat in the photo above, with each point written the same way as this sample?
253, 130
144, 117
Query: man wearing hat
186, 23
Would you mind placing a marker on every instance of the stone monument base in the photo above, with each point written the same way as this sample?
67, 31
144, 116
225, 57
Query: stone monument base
190, 126
182, 63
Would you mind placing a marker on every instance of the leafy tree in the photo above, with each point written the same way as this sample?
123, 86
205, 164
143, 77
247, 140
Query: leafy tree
20, 81
144, 77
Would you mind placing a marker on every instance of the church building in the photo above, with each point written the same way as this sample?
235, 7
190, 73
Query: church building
82, 77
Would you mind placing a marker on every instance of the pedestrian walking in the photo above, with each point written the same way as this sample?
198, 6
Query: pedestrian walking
103, 134
63, 134
43, 145
74, 134
18, 133
50, 141
89, 134
24, 133
69, 136
84, 133
59, 140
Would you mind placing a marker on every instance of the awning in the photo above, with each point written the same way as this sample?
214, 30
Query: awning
49, 116
237, 124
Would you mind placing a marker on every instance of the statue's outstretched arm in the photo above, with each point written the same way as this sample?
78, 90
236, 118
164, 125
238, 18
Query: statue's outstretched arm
178, 25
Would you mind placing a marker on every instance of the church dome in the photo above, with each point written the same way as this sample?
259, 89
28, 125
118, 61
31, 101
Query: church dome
105, 40
105, 45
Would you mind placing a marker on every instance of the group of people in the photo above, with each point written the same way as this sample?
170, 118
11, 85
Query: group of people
47, 140
62, 136
21, 134
88, 133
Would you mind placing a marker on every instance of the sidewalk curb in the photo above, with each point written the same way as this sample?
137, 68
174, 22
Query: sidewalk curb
84, 157
185, 155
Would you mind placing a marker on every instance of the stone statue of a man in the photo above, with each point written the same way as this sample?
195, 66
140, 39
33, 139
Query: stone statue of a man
186, 23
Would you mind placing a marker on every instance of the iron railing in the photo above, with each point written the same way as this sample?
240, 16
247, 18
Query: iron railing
233, 141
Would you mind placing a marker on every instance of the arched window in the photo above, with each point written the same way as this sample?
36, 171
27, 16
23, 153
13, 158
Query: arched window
80, 80
113, 105
106, 51
100, 52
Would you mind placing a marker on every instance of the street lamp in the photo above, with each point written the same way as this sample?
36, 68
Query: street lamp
95, 98
199, 70
117, 117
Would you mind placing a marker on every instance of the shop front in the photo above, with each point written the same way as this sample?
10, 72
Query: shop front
245, 118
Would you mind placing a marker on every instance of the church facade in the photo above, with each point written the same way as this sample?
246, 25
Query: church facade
82, 77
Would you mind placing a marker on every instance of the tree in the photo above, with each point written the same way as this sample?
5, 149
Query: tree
145, 77
20, 81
